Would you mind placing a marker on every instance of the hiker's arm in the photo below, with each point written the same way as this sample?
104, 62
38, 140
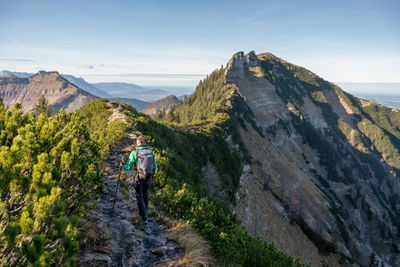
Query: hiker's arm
131, 161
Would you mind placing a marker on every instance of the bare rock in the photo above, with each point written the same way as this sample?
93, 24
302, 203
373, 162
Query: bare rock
95, 259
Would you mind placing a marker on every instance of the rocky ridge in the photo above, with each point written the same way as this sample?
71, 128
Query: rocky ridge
322, 181
289, 181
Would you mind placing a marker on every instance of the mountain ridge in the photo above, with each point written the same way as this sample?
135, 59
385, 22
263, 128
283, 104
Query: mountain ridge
320, 159
88, 87
161, 105
58, 91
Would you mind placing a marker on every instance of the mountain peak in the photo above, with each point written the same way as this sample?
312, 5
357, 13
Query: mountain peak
239, 63
49, 77
58, 91
47, 73
267, 55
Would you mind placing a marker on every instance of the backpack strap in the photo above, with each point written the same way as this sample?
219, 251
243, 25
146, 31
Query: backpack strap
137, 160
137, 165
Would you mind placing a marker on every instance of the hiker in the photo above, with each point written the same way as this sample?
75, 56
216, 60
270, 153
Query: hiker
143, 158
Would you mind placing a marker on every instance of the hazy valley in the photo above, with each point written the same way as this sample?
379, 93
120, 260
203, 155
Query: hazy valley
132, 94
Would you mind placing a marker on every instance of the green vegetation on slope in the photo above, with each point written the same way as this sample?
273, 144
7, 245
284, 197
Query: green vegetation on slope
181, 155
49, 170
386, 134
204, 103
207, 118
95, 116
348, 149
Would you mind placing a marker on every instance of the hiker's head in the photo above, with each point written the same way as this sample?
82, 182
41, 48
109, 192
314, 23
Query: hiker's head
141, 140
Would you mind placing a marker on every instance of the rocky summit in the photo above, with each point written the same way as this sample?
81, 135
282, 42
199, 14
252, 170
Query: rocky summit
58, 91
322, 182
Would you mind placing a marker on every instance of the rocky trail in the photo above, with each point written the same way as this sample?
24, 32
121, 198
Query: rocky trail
120, 238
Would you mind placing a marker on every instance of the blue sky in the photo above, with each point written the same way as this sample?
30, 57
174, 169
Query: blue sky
176, 43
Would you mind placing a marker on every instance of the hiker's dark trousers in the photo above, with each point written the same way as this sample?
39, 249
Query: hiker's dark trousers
142, 187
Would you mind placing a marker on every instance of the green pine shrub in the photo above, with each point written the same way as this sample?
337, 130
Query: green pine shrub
49, 170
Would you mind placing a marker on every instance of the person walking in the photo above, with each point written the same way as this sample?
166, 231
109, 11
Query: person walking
144, 160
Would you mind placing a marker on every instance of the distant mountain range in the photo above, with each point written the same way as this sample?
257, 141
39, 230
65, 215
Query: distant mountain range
58, 91
138, 104
392, 101
88, 87
80, 82
132, 94
386, 94
130, 90
17, 74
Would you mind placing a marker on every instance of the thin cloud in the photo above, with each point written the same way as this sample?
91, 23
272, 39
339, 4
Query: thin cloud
16, 42
91, 8
151, 75
259, 11
86, 67
17, 59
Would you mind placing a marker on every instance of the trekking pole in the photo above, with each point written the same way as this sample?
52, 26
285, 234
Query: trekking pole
116, 189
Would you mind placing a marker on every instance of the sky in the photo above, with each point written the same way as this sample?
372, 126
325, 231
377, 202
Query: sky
176, 43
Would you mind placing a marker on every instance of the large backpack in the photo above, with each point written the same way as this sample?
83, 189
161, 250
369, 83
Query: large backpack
145, 163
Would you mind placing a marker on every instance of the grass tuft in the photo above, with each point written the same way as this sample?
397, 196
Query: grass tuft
194, 250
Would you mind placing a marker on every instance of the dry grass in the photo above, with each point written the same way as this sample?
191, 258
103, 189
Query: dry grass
194, 249
136, 219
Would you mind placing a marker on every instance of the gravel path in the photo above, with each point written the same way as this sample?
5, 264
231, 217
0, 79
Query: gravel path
119, 238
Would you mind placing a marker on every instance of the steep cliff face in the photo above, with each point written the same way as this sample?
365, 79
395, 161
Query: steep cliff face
324, 165
59, 92
319, 167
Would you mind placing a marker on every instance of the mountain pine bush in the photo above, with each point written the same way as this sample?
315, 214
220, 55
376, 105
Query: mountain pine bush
49, 170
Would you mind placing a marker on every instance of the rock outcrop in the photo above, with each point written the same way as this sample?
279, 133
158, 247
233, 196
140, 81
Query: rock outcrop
239, 63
